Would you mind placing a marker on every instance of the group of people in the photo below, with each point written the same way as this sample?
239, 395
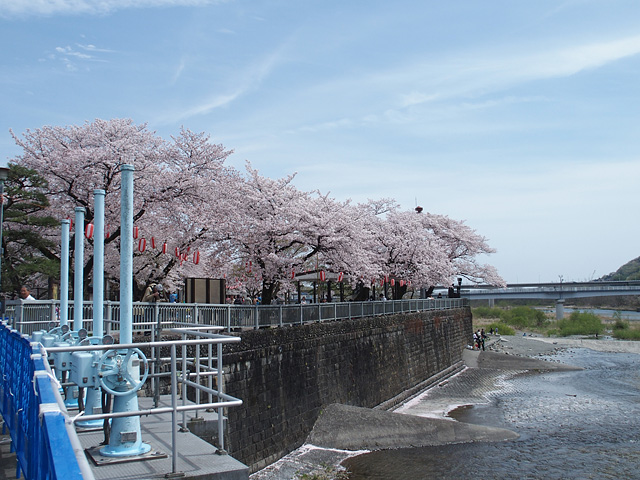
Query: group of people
478, 339
156, 293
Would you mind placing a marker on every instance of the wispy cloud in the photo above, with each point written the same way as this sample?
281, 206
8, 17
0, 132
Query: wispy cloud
21, 8
250, 79
71, 56
456, 82
465, 75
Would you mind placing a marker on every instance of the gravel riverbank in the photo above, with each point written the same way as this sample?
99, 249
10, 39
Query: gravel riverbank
345, 431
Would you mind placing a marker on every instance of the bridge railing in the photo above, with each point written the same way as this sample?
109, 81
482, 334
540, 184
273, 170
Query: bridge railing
30, 316
552, 288
33, 411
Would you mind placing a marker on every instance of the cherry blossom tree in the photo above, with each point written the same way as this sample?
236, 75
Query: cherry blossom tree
196, 217
462, 245
176, 185
428, 250
265, 232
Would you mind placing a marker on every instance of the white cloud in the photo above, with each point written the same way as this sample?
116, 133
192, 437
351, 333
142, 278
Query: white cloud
68, 51
22, 8
68, 55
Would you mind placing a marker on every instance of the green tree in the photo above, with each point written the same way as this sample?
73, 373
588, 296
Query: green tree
27, 252
580, 323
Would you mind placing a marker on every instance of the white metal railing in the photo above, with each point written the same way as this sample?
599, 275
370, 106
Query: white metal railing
183, 369
30, 316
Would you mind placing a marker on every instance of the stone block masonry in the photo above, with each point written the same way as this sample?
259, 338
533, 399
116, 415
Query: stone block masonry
286, 375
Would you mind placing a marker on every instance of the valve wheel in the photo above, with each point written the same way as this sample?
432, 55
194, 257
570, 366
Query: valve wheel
121, 371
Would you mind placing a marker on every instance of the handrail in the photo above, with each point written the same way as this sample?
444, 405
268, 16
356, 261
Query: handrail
28, 317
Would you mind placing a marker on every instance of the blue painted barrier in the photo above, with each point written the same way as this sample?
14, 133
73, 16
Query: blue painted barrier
29, 405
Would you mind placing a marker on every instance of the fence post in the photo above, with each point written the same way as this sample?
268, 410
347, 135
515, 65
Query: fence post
256, 321
19, 311
228, 318
280, 314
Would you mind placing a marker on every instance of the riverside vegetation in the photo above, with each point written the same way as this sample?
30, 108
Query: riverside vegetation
510, 320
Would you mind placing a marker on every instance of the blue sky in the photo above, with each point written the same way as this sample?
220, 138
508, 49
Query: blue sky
520, 117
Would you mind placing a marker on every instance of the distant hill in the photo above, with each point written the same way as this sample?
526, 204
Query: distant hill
628, 271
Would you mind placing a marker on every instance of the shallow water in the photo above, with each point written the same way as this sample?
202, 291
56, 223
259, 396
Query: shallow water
572, 425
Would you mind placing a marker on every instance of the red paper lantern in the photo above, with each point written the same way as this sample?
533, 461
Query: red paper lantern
88, 231
135, 233
142, 244
196, 257
340, 276
153, 242
323, 275
164, 247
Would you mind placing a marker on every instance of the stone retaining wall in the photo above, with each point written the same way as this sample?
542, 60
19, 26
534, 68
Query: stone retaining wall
285, 375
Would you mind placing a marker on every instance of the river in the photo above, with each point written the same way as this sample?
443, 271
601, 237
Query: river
580, 424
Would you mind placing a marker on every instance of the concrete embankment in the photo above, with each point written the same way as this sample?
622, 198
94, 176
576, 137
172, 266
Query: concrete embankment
342, 431
346, 427
353, 428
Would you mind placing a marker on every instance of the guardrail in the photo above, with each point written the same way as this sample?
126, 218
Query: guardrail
28, 317
42, 437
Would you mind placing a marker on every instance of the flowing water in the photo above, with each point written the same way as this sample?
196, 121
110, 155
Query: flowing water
573, 425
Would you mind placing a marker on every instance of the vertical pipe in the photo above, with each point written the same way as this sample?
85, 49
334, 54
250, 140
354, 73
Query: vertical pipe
64, 273
98, 263
185, 376
210, 371
220, 410
174, 406
78, 271
126, 255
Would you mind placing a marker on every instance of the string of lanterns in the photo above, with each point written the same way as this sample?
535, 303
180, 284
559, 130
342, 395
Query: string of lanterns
183, 256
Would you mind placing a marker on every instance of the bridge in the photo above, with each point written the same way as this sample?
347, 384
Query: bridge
555, 291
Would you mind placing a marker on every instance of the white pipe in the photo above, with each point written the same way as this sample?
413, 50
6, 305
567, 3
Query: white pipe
64, 273
98, 262
78, 271
126, 255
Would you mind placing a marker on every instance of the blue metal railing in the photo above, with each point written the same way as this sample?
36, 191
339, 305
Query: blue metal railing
28, 317
30, 407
